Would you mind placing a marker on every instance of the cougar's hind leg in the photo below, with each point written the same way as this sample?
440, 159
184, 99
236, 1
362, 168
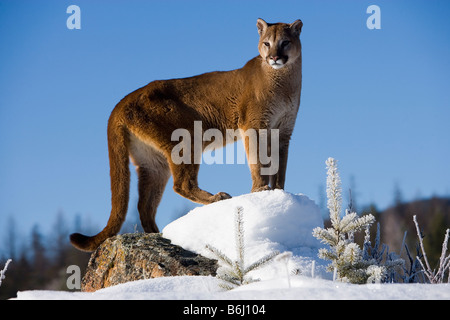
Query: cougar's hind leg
153, 173
152, 182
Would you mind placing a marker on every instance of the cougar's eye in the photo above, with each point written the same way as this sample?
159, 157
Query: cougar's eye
285, 43
266, 44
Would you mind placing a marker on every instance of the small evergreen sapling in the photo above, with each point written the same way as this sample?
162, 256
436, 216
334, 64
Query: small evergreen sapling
234, 273
348, 261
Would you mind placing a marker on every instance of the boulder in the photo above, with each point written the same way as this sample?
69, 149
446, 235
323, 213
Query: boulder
136, 256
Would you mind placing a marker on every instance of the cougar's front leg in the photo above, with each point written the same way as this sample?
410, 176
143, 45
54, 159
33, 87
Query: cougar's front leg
185, 184
260, 182
278, 179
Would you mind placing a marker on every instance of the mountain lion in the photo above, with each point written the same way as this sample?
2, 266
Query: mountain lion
264, 94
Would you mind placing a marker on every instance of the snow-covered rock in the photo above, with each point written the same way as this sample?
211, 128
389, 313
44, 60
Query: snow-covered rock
273, 220
135, 256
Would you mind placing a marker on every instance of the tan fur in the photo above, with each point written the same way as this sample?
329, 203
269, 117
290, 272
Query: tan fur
257, 96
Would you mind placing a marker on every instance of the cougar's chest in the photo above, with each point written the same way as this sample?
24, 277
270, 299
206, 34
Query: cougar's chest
283, 93
283, 111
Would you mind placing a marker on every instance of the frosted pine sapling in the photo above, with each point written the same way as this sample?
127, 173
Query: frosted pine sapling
345, 255
234, 273
348, 261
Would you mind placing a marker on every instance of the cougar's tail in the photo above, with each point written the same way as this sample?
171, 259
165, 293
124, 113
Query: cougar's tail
118, 143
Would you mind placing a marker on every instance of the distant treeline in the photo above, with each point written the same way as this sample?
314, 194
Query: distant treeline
433, 216
40, 262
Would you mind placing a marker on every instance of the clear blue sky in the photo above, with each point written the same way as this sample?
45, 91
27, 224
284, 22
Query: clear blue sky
376, 100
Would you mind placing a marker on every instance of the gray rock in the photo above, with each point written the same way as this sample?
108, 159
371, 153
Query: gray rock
137, 256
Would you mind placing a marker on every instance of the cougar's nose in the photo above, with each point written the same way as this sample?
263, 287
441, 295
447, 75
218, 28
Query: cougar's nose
275, 58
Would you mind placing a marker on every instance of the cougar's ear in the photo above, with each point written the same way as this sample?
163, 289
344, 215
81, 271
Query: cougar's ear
262, 26
296, 27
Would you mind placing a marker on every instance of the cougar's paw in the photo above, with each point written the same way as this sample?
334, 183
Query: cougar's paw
263, 188
221, 196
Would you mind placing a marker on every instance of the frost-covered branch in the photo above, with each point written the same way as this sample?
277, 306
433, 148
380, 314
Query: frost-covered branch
220, 255
3, 272
444, 262
334, 191
239, 234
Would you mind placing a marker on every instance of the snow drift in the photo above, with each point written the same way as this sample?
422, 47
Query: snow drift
274, 220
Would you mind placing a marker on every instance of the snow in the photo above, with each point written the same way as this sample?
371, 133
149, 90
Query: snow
273, 220
206, 288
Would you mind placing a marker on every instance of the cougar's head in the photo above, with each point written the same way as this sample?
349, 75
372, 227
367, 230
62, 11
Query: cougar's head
279, 43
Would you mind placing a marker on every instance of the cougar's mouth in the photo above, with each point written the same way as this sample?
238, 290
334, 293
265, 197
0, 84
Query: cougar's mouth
277, 64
